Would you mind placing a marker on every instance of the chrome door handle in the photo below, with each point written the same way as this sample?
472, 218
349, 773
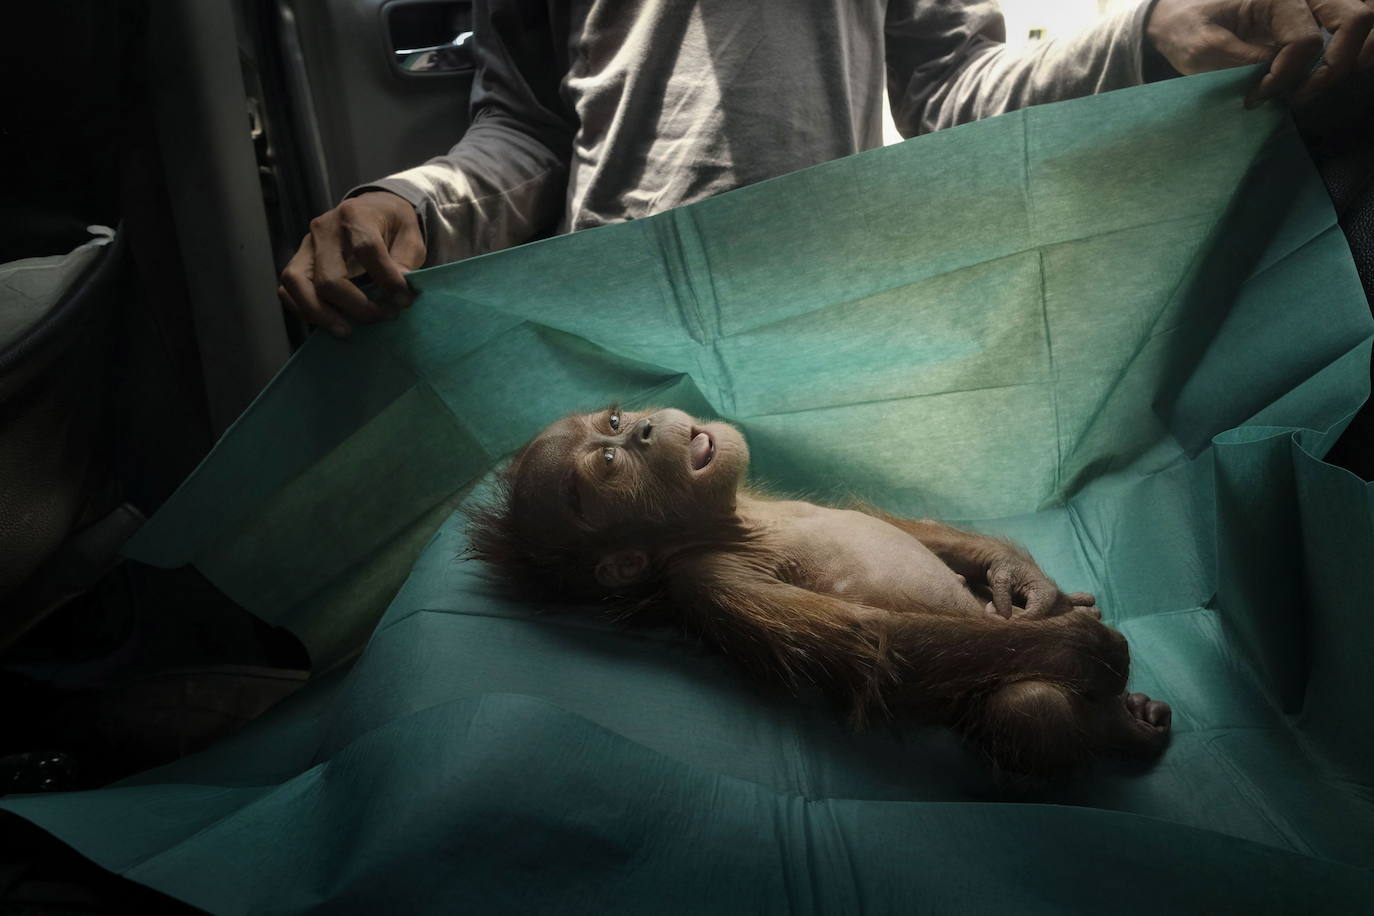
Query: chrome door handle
456, 55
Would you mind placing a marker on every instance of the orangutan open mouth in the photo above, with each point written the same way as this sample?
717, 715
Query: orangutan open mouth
703, 448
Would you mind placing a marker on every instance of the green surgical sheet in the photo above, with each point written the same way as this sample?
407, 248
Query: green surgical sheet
1122, 330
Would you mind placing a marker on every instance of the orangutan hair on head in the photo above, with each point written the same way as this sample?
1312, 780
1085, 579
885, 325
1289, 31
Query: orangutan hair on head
649, 510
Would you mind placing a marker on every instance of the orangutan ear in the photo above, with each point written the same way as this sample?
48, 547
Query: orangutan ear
622, 568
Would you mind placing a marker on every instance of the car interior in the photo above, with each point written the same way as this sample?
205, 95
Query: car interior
163, 160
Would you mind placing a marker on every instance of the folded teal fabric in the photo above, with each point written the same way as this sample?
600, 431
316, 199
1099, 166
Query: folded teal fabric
1122, 330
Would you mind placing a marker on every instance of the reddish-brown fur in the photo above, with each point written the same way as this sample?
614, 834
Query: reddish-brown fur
1038, 688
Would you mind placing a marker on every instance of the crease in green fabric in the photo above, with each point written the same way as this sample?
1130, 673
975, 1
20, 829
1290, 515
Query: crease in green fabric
1102, 328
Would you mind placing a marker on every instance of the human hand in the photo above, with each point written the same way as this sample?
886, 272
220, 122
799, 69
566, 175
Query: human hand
377, 233
1196, 36
1021, 591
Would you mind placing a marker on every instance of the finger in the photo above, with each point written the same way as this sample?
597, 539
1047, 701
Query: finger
332, 284
1324, 79
1040, 600
408, 249
1158, 713
299, 288
1081, 599
1349, 22
1091, 613
372, 254
1296, 31
1001, 593
299, 298
340, 330
1366, 59
991, 611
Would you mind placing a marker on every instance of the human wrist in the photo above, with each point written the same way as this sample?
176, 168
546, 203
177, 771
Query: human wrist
1155, 40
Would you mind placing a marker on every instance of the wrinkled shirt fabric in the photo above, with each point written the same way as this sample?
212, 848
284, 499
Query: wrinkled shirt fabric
588, 112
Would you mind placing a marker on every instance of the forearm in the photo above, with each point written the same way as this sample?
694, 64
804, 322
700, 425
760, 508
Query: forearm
968, 554
865, 656
870, 658
499, 187
983, 77
505, 180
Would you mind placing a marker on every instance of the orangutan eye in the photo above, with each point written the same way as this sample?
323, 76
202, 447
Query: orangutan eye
615, 419
608, 455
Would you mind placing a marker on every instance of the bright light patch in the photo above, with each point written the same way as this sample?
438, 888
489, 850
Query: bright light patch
1030, 21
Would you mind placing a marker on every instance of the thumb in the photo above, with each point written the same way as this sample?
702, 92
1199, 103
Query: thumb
1299, 42
409, 251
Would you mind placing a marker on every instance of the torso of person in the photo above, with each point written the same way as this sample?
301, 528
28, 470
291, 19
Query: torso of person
664, 92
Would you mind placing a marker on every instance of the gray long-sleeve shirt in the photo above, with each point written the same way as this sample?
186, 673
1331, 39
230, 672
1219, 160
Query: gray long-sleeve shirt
587, 112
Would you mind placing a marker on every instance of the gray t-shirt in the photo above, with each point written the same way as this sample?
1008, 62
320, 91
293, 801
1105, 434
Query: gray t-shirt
588, 112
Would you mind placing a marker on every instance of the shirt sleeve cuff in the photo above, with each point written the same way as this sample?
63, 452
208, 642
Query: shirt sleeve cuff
1151, 67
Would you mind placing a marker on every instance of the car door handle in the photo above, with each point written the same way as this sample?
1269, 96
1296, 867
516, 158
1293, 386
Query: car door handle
445, 58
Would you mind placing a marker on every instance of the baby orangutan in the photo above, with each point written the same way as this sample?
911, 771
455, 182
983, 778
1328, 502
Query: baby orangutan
885, 614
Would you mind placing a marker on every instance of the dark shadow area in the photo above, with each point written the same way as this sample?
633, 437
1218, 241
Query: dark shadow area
1340, 136
39, 875
106, 667
148, 666
120, 667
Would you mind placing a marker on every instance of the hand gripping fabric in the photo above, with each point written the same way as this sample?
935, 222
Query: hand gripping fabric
1121, 330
